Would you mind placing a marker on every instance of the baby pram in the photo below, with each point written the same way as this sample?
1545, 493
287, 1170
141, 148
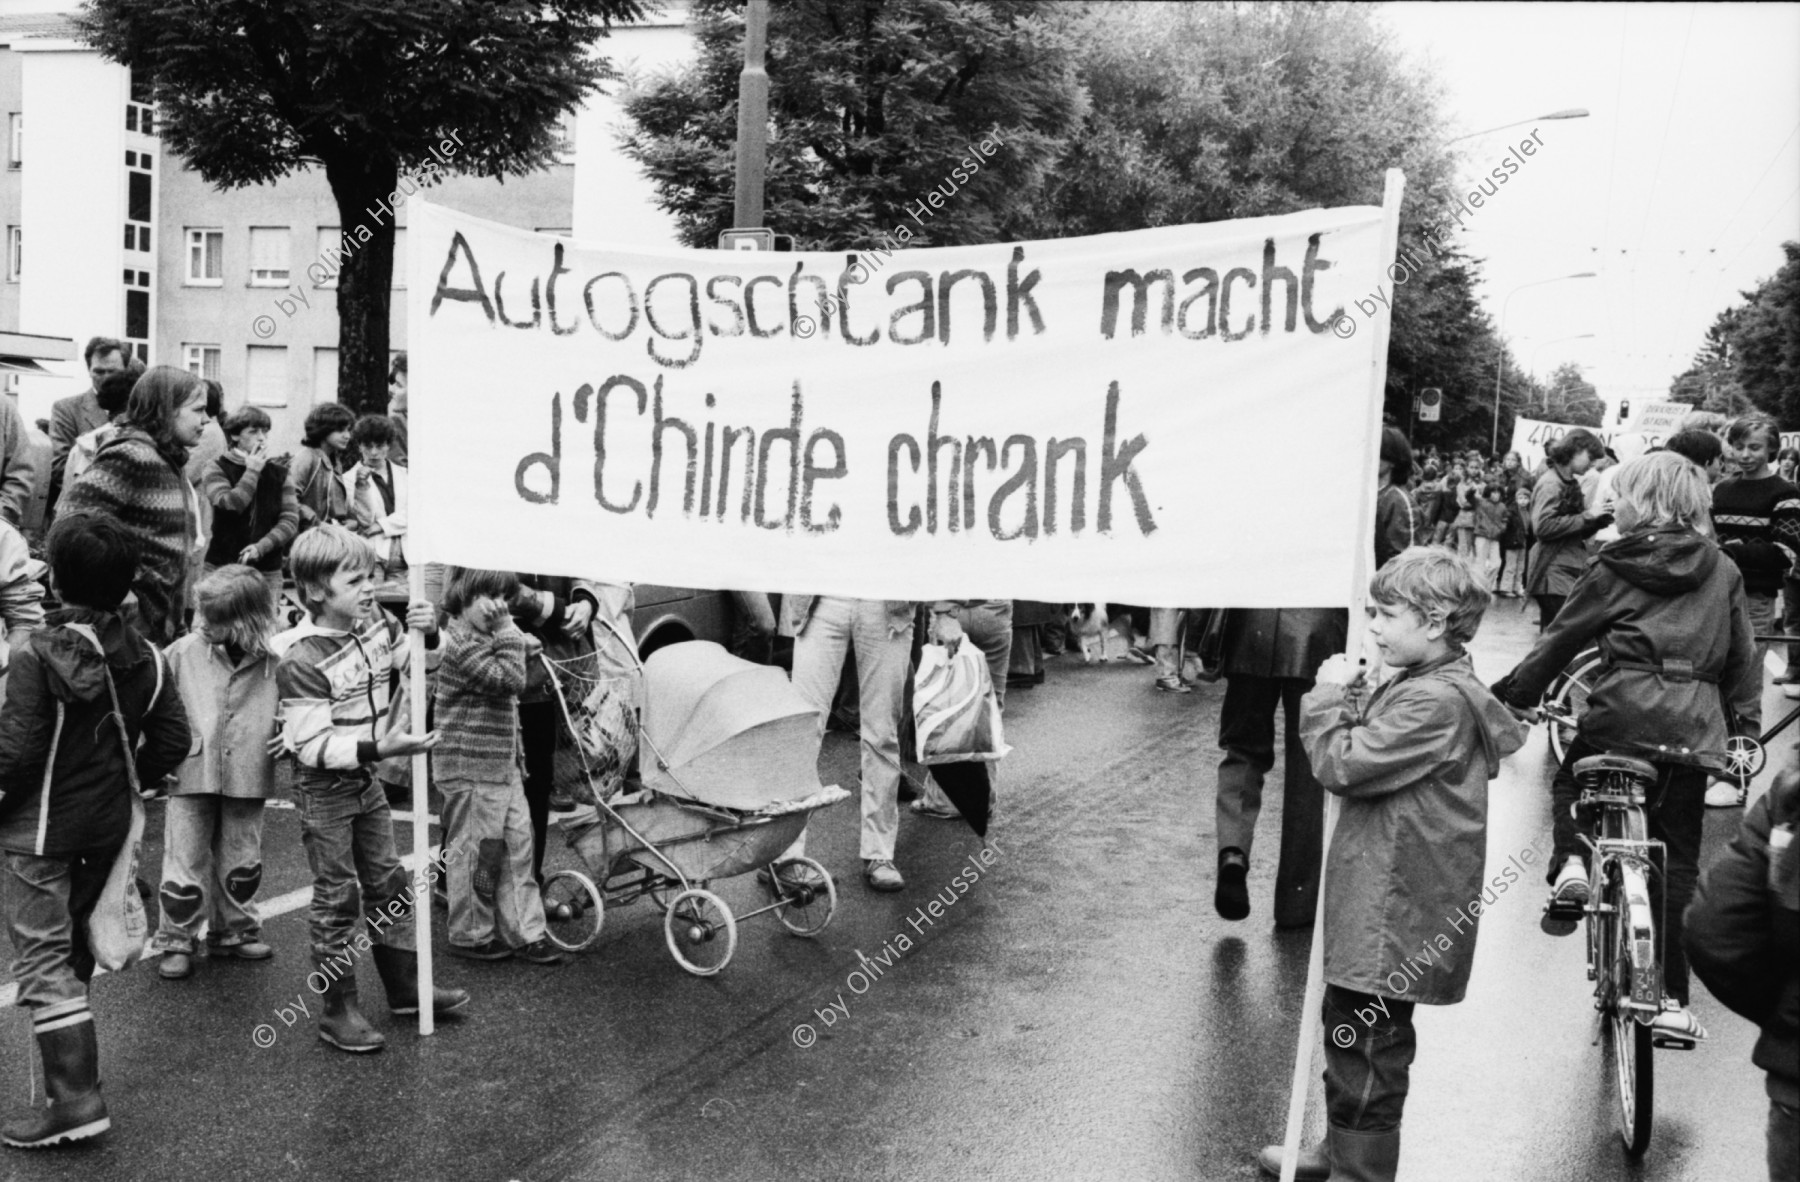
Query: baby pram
729, 756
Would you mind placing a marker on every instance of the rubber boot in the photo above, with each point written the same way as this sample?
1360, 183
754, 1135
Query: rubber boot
1364, 1156
399, 969
72, 1080
1313, 1166
340, 1021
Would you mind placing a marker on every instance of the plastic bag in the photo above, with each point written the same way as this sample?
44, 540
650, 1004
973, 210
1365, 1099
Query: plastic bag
119, 928
954, 711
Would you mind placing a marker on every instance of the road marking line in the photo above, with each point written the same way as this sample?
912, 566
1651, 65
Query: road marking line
292, 901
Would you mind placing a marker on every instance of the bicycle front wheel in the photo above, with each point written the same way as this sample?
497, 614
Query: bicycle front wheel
1626, 1040
1569, 695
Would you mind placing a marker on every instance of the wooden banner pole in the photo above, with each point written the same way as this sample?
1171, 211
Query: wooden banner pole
1359, 592
421, 803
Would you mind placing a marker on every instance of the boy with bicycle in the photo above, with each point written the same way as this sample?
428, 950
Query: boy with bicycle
1411, 762
1669, 615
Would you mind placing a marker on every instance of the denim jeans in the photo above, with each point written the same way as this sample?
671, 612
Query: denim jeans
837, 626
1368, 1069
349, 839
1675, 811
212, 865
487, 837
1762, 623
1247, 733
48, 901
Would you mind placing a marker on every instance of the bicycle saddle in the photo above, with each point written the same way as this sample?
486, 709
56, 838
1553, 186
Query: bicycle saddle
1599, 765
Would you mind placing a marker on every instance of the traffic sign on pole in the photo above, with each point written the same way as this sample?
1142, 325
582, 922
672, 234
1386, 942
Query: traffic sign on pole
1431, 402
757, 238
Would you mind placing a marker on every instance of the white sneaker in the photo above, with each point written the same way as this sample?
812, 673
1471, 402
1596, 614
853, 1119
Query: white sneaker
1725, 794
1571, 886
1677, 1021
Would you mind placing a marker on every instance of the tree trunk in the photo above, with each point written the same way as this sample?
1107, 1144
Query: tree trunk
365, 279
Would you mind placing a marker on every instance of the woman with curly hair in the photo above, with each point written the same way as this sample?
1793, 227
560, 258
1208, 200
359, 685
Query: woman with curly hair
137, 479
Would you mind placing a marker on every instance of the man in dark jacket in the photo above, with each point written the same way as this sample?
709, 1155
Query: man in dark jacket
1270, 657
83, 692
1743, 938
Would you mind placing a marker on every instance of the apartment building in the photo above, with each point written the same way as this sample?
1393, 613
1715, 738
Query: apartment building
108, 234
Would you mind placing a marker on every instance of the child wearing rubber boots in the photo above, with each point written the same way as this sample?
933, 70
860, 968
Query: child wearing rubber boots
333, 676
86, 695
1411, 763
1669, 615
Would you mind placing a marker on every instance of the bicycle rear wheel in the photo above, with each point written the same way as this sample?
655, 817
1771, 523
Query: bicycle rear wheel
1625, 1039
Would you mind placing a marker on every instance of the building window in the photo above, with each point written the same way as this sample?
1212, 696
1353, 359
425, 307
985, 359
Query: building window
137, 237
15, 126
13, 258
330, 260
266, 375
268, 256
137, 315
206, 258
325, 375
202, 360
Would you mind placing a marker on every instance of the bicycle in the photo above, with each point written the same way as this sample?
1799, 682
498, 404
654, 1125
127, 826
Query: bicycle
1566, 699
1624, 932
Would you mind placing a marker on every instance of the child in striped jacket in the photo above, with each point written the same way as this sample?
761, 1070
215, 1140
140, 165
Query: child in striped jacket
495, 909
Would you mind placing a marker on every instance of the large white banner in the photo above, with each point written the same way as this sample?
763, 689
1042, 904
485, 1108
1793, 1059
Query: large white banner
1172, 417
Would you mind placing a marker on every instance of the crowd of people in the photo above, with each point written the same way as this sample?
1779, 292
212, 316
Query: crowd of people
175, 535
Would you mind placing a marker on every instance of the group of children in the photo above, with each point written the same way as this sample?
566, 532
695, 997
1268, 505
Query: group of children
216, 708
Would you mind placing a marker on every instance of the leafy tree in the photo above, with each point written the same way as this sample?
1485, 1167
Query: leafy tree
1571, 398
1751, 354
872, 104
249, 91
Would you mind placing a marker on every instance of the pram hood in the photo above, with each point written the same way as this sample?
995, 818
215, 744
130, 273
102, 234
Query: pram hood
734, 734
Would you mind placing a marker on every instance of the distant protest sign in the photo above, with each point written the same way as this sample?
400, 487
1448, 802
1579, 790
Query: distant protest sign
1163, 417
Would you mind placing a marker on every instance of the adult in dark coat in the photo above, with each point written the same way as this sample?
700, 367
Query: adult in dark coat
1270, 659
1743, 938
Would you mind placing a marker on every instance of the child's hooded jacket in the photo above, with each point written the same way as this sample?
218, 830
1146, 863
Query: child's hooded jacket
64, 787
1406, 859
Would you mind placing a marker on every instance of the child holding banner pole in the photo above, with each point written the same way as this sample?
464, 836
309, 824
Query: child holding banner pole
1393, 190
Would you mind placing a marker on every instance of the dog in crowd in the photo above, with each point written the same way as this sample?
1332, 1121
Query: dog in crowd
1091, 623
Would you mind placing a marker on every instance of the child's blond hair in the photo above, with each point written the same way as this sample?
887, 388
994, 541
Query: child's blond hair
321, 553
237, 599
1436, 585
1662, 490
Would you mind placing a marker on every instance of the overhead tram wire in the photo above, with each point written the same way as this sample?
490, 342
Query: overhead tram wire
1661, 153
1760, 229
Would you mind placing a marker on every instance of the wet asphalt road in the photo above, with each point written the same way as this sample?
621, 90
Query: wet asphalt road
1080, 1012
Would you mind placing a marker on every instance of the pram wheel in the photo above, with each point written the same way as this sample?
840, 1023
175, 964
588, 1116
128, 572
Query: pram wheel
810, 897
701, 932
572, 894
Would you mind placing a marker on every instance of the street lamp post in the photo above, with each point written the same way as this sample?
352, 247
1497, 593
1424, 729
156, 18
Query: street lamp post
1500, 345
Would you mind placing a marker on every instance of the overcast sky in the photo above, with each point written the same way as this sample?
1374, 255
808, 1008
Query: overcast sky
1678, 188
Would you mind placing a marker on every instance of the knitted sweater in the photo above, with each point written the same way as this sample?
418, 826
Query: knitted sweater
1490, 518
132, 482
249, 509
479, 682
1758, 523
